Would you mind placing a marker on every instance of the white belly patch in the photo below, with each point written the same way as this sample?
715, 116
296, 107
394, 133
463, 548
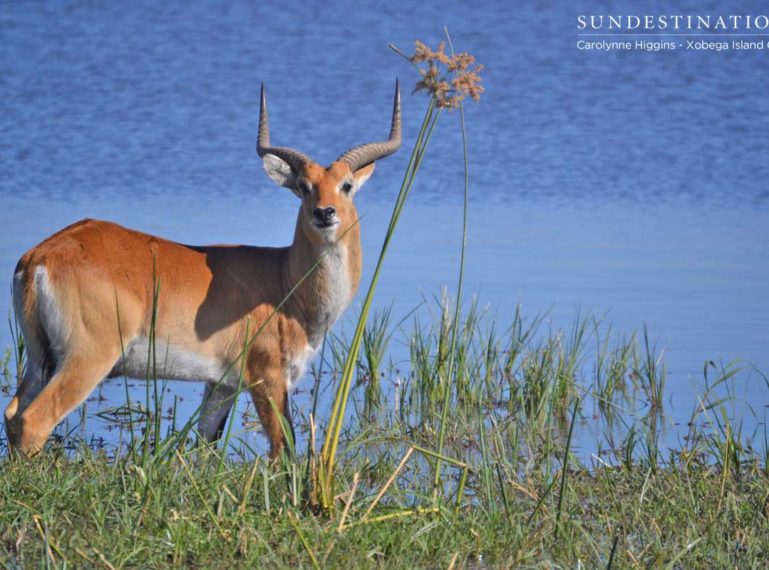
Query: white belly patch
170, 362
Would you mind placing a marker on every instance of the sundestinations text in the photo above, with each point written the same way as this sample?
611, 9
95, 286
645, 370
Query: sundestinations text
671, 22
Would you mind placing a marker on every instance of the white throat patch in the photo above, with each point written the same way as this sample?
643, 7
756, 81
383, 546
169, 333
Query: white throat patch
335, 268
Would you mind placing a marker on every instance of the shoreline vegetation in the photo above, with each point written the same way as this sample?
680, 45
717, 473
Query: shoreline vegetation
516, 488
465, 455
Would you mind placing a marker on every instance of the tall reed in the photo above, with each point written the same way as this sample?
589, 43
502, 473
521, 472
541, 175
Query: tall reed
325, 480
460, 282
444, 92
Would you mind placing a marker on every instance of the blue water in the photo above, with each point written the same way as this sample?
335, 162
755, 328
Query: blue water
629, 183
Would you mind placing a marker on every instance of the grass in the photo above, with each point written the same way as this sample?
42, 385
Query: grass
465, 446
91, 512
524, 482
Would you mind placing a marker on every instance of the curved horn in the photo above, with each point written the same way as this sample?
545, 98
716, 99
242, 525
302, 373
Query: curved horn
364, 154
295, 159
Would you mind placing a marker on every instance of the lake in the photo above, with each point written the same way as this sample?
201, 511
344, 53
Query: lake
629, 185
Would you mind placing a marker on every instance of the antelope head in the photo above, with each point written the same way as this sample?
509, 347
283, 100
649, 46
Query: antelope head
327, 210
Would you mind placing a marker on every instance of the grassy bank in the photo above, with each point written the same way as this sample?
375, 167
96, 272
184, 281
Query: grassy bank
521, 399
91, 512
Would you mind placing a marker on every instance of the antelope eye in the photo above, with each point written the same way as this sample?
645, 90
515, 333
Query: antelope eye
304, 188
346, 187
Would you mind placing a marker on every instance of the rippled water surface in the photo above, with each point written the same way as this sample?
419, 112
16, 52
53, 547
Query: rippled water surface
628, 184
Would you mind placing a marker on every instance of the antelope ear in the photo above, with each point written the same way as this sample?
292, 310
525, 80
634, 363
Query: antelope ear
280, 171
362, 175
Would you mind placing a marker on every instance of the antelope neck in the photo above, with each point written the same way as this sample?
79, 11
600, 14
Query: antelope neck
329, 276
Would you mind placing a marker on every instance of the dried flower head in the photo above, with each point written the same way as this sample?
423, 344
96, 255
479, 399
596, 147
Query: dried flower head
449, 78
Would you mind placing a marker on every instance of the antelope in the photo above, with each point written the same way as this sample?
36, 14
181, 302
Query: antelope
88, 296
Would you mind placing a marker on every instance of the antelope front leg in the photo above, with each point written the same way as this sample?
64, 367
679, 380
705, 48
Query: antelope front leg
270, 395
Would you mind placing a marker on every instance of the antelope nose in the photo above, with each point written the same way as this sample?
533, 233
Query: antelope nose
325, 214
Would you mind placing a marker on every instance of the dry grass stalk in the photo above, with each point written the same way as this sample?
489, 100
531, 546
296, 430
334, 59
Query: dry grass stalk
355, 481
389, 482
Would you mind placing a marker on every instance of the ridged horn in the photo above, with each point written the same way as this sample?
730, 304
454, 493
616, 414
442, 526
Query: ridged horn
364, 154
295, 159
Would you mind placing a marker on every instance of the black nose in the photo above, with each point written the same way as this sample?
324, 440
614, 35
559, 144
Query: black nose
325, 214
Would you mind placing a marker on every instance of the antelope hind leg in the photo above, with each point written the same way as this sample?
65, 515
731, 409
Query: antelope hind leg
75, 379
30, 386
218, 400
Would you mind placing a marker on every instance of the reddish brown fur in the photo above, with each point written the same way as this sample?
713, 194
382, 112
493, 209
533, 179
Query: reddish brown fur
103, 275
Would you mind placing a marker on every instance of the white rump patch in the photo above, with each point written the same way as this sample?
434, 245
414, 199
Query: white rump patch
50, 314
